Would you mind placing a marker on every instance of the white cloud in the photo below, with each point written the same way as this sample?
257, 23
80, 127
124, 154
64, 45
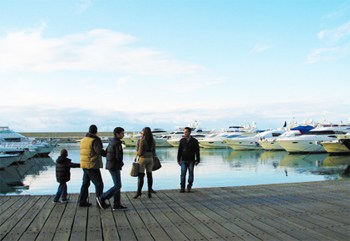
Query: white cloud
95, 50
259, 48
334, 35
327, 54
341, 11
83, 5
337, 44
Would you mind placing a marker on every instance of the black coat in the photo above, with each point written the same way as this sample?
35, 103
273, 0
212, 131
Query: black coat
114, 155
188, 151
63, 166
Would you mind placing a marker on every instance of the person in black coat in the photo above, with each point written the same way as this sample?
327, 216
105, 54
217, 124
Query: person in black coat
187, 158
63, 166
114, 164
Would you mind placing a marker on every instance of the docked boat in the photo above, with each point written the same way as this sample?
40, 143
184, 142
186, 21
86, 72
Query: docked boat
159, 135
270, 143
251, 142
7, 159
219, 139
335, 147
345, 139
310, 142
12, 139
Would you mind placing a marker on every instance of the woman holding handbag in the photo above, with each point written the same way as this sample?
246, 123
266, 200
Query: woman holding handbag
146, 151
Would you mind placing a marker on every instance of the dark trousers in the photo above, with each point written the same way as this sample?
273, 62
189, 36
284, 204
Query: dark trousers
115, 190
62, 190
184, 167
93, 175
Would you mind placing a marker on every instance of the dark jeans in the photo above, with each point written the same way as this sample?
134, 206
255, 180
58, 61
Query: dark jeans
115, 190
184, 167
93, 175
62, 190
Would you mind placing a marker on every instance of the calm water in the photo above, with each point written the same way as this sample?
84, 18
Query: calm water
218, 168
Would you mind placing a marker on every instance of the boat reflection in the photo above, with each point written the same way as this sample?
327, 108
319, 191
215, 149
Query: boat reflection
11, 178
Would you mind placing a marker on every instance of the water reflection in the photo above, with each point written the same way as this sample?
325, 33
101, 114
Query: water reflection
12, 177
218, 168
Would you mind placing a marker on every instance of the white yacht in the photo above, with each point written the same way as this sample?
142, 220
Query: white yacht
158, 134
310, 142
270, 143
251, 142
218, 140
12, 139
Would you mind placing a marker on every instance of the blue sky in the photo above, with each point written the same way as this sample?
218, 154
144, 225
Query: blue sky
67, 64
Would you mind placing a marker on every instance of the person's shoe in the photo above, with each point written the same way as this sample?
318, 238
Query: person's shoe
101, 203
152, 191
182, 190
54, 201
65, 200
189, 189
137, 195
85, 204
119, 208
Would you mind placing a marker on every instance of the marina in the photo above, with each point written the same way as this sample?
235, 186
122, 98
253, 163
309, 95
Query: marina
299, 211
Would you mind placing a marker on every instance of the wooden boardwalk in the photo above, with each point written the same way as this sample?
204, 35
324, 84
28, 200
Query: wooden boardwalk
304, 211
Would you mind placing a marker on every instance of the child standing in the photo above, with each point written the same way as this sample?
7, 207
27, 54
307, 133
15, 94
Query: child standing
63, 165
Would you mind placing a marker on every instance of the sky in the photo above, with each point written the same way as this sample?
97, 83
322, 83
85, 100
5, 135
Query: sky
67, 64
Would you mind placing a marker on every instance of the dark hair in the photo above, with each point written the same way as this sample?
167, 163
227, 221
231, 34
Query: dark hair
117, 130
64, 152
148, 136
93, 129
188, 128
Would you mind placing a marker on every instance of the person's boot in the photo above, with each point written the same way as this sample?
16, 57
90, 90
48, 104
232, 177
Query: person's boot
150, 183
139, 185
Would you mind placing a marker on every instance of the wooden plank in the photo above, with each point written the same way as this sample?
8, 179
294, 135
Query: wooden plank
181, 204
23, 218
154, 228
139, 228
94, 227
302, 211
172, 230
37, 222
10, 207
65, 224
79, 226
109, 227
217, 223
170, 210
124, 228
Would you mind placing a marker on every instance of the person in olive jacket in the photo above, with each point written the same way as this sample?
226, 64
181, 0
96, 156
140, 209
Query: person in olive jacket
114, 164
63, 166
187, 158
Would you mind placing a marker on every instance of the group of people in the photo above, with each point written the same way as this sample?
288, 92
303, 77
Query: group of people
91, 153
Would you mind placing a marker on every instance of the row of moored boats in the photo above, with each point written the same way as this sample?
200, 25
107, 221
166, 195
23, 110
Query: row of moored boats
16, 148
307, 138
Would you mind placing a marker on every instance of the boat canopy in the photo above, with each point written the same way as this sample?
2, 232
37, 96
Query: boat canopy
302, 129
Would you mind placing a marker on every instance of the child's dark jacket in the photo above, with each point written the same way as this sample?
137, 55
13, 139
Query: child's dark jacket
63, 165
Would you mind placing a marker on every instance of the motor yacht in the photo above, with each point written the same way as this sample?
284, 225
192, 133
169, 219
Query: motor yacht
218, 139
12, 139
270, 143
251, 142
310, 142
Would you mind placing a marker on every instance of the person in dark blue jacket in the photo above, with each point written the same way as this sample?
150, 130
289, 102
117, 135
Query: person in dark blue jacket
63, 166
187, 158
114, 164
